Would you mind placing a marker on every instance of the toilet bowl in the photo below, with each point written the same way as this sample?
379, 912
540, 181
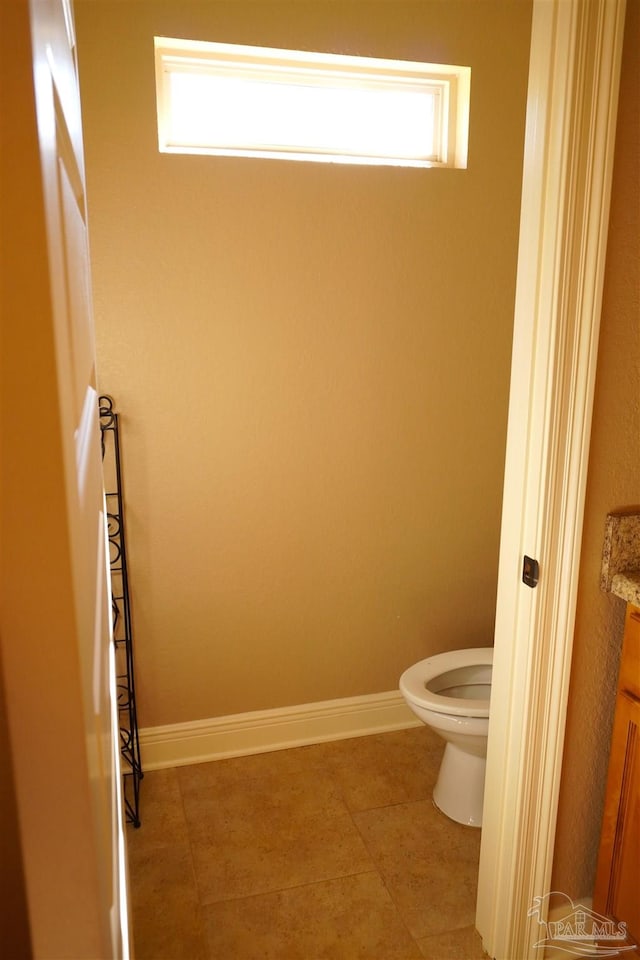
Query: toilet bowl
450, 693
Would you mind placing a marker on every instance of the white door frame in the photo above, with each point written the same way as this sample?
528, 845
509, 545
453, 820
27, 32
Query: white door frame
576, 50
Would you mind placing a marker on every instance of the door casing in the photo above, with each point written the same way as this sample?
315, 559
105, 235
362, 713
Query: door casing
576, 52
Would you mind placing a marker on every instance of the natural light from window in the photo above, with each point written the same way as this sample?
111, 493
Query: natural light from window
254, 101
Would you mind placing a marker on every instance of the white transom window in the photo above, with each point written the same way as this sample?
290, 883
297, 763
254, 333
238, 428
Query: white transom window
217, 98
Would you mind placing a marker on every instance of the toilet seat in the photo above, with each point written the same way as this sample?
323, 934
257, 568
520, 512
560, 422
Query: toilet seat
413, 682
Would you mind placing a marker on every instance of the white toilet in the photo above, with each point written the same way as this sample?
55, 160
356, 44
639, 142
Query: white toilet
450, 693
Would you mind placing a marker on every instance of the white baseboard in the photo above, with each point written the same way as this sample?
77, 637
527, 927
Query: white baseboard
264, 730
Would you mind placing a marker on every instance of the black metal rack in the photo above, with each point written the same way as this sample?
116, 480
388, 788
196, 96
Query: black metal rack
121, 612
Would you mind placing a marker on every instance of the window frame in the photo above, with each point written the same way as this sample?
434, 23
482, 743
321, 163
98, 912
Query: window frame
448, 84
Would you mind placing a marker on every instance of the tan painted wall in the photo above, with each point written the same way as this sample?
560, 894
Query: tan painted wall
613, 483
312, 363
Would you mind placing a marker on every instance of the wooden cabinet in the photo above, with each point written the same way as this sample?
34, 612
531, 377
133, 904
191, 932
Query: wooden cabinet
617, 889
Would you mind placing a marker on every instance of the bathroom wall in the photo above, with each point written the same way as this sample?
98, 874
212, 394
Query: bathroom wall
311, 361
613, 483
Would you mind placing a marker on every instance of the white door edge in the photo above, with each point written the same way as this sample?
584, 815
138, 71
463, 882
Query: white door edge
576, 50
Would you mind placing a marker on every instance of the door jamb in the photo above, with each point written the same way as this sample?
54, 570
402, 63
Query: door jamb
576, 51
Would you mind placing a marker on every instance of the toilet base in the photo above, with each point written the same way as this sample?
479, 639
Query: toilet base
459, 791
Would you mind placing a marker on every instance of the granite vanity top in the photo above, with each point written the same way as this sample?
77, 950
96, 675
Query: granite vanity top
621, 557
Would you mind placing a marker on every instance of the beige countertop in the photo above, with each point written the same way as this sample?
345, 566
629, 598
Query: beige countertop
621, 557
627, 586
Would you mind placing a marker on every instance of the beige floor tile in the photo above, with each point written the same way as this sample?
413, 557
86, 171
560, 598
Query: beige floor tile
329, 850
161, 812
276, 821
344, 919
384, 769
174, 933
260, 855
167, 923
218, 775
428, 862
217, 799
456, 945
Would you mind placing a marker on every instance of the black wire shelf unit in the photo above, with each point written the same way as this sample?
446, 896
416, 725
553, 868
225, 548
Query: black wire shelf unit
132, 772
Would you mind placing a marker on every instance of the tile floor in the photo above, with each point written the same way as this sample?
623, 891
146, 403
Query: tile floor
327, 851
